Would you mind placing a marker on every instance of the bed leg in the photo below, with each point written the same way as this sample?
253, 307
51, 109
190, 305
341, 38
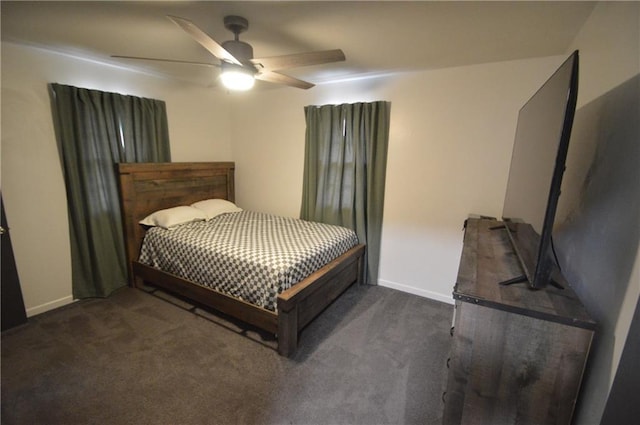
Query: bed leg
138, 282
287, 332
361, 271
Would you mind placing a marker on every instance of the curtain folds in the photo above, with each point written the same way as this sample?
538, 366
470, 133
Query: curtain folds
95, 130
344, 171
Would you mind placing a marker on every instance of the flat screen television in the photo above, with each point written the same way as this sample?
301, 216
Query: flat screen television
535, 175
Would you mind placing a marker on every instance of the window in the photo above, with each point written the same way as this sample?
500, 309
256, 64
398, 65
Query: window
344, 174
95, 130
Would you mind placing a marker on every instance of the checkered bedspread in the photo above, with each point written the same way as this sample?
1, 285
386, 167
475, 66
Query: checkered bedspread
249, 255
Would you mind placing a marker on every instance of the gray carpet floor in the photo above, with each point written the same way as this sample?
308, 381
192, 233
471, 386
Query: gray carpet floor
375, 356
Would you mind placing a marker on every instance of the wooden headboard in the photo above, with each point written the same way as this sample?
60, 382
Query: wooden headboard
148, 187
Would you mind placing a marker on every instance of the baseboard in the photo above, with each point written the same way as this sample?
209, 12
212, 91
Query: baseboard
417, 291
32, 311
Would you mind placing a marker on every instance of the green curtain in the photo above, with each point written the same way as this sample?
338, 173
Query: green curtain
95, 130
344, 171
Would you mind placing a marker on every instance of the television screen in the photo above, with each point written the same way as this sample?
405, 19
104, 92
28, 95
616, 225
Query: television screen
535, 175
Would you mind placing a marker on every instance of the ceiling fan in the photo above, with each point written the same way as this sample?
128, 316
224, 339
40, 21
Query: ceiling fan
239, 69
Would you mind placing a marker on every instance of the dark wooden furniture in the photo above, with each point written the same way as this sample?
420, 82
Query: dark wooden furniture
148, 187
13, 311
518, 354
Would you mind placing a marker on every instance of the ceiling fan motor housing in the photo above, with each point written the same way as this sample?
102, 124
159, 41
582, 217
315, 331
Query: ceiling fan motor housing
240, 50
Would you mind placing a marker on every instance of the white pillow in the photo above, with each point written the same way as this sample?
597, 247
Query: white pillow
175, 216
215, 207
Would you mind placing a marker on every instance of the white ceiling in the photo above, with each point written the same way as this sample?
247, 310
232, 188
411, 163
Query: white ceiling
377, 37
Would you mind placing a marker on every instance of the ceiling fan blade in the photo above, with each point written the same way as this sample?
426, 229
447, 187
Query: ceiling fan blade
276, 77
164, 60
275, 63
206, 41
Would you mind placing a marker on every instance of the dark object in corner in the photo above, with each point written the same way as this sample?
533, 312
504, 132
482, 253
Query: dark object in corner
13, 312
622, 406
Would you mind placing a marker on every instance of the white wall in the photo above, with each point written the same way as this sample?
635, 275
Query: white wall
32, 182
449, 150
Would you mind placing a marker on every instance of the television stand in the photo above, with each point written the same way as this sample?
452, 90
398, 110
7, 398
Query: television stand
523, 279
517, 354
518, 279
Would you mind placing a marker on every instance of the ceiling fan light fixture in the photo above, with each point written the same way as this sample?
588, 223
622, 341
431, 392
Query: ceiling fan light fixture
239, 69
237, 78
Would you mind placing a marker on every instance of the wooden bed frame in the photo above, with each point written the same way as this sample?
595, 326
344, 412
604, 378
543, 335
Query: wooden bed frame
148, 187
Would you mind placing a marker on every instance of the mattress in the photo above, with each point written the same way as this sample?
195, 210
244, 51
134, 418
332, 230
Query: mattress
248, 255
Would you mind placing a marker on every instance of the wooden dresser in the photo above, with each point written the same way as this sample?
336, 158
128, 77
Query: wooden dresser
518, 354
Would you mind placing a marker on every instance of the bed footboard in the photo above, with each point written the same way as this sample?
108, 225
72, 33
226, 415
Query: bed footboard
300, 304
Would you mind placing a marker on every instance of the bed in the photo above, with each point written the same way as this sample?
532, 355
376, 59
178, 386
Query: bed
149, 187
